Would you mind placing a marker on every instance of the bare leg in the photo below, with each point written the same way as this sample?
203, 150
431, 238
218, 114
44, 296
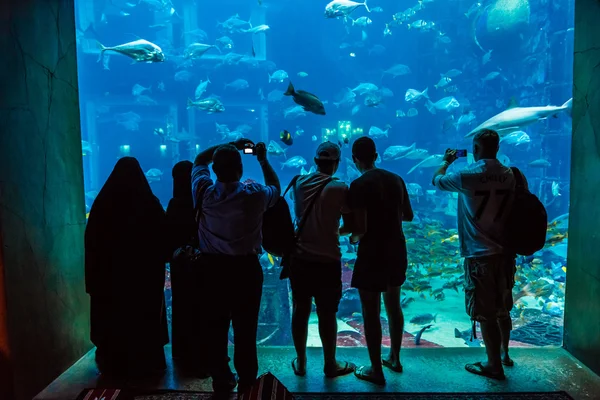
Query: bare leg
371, 306
490, 331
328, 334
395, 317
300, 317
505, 325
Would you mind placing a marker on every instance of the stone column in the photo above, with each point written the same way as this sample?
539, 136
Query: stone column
582, 309
44, 321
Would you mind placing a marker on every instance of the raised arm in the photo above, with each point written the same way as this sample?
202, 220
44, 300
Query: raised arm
271, 178
449, 158
205, 157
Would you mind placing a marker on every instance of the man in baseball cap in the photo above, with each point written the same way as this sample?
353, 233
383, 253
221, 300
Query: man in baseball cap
315, 265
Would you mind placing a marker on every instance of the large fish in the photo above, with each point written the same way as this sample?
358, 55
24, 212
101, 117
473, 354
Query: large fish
140, 50
517, 117
396, 152
341, 8
308, 101
210, 105
433, 160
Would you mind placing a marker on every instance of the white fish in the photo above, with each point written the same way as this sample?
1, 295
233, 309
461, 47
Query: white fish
397, 152
257, 29
275, 149
365, 88
417, 154
445, 104
517, 117
313, 138
302, 74
86, 148
555, 189
486, 57
238, 84
541, 163
278, 76
138, 89
154, 175
413, 95
294, 162
516, 138
294, 112
210, 105
433, 160
398, 70
378, 132
491, 76
453, 73
106, 62
140, 50
362, 21
444, 81
341, 8
201, 88
303, 171
197, 50
465, 119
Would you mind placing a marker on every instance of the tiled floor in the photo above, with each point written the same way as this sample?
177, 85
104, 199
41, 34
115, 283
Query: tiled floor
425, 370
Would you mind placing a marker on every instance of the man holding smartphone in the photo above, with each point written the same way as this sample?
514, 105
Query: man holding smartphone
486, 193
230, 238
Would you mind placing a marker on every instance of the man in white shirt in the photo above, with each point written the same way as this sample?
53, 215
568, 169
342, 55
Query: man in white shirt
315, 267
486, 193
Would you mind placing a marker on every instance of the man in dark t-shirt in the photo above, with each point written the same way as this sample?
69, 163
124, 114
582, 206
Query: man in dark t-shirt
379, 201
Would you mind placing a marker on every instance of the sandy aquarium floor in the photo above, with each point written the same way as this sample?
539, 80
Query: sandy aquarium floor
450, 315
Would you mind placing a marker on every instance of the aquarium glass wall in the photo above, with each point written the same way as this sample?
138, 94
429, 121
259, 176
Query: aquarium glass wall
416, 76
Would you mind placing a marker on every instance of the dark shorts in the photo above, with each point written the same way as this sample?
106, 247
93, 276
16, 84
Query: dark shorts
380, 266
321, 280
488, 287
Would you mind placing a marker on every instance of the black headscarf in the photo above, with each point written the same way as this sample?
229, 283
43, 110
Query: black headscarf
182, 180
125, 227
181, 222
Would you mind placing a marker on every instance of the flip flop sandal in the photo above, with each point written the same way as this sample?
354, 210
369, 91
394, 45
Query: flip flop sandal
360, 374
478, 369
348, 369
508, 363
297, 371
395, 368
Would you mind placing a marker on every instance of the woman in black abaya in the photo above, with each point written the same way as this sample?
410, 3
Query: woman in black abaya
125, 255
182, 230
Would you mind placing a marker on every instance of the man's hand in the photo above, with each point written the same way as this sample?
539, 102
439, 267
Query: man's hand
260, 151
450, 156
242, 143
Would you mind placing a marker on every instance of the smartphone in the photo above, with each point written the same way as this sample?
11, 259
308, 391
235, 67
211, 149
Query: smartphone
461, 153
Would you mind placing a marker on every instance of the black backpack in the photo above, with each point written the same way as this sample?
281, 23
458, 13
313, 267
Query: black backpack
279, 237
278, 227
527, 221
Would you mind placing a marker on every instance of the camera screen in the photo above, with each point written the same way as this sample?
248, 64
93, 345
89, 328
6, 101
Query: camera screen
248, 151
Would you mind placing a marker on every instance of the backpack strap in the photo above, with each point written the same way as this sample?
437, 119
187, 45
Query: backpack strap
310, 207
292, 183
520, 181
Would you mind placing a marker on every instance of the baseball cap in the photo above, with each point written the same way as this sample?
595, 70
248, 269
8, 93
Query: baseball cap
328, 151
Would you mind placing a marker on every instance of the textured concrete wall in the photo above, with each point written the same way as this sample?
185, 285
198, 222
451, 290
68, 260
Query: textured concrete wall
582, 310
42, 214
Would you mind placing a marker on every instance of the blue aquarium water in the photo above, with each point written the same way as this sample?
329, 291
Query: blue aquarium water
416, 76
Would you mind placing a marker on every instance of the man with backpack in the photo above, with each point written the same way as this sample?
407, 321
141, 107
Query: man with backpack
485, 207
315, 268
